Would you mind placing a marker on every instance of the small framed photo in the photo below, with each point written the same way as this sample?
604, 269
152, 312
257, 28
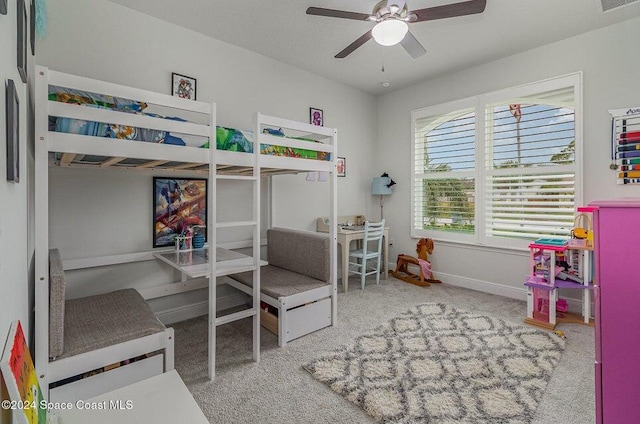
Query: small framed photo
315, 116
13, 132
3, 7
341, 167
23, 36
183, 86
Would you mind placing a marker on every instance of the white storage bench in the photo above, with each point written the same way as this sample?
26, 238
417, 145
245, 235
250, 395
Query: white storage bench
102, 342
296, 282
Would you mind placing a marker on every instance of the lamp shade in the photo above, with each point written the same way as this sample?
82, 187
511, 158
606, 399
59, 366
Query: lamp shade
380, 186
389, 32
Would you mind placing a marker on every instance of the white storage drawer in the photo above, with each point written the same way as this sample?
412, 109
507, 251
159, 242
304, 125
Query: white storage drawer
108, 380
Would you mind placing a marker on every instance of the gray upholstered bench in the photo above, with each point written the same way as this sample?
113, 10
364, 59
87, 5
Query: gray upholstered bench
296, 282
98, 331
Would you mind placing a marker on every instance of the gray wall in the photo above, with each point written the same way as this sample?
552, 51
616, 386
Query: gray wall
101, 213
610, 79
105, 41
13, 207
16, 246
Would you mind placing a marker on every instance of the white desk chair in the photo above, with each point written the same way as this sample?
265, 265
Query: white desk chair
373, 232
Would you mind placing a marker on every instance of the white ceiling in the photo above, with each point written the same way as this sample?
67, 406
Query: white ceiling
281, 30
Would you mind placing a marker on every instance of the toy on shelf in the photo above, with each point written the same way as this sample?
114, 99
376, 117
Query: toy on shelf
582, 232
553, 265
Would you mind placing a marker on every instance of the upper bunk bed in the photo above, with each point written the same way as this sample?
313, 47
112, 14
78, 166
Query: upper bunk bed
96, 124
87, 123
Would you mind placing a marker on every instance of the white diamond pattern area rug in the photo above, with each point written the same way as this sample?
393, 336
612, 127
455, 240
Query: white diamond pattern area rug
438, 364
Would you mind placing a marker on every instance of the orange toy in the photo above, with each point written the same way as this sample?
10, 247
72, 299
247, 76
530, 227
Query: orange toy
424, 248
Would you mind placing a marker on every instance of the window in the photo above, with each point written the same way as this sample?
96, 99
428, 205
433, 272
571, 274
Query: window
500, 169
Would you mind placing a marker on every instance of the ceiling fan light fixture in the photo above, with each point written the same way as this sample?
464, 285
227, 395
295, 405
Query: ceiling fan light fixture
389, 32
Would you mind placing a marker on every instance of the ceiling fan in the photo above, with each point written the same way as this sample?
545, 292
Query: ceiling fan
392, 18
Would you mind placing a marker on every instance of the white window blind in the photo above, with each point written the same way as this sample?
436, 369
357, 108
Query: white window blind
444, 164
499, 169
530, 166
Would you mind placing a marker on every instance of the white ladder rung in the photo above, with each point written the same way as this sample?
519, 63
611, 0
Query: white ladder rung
235, 224
235, 316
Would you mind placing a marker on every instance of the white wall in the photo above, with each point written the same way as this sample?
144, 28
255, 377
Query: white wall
107, 41
610, 66
102, 40
14, 247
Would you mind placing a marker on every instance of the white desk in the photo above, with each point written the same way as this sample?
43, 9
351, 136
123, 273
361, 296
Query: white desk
163, 399
195, 263
345, 237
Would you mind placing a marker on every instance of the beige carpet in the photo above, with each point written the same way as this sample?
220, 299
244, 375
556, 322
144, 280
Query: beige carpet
439, 364
279, 390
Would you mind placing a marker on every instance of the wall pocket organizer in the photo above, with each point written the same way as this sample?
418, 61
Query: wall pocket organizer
625, 144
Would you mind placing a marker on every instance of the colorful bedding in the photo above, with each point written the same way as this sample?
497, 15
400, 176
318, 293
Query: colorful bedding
102, 129
242, 141
229, 139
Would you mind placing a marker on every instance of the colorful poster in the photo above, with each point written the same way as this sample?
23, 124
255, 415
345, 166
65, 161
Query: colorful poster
180, 204
19, 374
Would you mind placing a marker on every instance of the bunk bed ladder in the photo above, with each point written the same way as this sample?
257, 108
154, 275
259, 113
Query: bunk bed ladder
254, 223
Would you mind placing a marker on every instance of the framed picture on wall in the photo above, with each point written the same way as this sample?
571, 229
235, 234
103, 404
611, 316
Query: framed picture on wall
13, 132
23, 36
316, 116
20, 376
32, 26
179, 204
183, 86
341, 167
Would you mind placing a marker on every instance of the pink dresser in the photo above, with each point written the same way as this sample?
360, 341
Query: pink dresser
617, 310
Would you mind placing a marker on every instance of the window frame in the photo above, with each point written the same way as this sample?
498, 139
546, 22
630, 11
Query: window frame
480, 103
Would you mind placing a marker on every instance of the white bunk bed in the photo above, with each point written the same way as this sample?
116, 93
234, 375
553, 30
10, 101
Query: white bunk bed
73, 150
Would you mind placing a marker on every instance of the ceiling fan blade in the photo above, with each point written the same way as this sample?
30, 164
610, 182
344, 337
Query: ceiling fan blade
351, 47
469, 7
412, 45
332, 13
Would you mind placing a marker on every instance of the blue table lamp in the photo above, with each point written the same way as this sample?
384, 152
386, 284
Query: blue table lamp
381, 186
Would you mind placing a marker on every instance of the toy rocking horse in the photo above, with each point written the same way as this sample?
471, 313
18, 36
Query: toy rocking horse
424, 247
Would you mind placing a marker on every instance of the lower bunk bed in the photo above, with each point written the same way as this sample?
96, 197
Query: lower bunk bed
296, 283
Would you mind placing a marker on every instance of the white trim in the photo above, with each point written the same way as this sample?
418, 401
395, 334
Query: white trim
519, 293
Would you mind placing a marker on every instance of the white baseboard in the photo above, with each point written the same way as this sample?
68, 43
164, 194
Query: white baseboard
519, 293
193, 310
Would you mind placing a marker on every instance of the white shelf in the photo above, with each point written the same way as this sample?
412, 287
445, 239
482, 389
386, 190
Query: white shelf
232, 224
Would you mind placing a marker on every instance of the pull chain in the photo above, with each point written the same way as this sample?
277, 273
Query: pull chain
382, 59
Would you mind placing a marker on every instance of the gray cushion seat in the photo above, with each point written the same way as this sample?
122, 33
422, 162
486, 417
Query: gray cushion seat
279, 282
89, 323
103, 320
298, 262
